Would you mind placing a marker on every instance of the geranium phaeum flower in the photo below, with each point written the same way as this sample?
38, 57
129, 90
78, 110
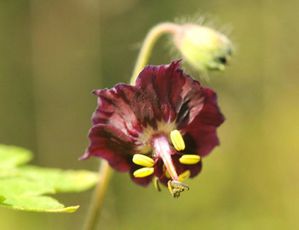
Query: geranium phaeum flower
158, 129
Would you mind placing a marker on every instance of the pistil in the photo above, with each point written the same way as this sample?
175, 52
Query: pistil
163, 150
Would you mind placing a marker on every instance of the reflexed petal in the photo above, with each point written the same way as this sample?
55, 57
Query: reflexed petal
201, 133
111, 144
116, 107
210, 113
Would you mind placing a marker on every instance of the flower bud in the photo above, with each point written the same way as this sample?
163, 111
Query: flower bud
202, 47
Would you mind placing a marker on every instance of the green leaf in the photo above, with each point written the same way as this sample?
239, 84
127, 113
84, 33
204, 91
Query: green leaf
61, 180
19, 186
23, 187
12, 156
36, 204
24, 194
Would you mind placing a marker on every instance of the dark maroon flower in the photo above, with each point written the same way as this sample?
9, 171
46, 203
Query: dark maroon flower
158, 129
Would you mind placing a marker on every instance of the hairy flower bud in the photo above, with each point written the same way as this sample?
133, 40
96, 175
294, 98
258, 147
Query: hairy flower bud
202, 47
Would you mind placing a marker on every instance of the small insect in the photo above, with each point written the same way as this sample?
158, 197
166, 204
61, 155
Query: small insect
176, 188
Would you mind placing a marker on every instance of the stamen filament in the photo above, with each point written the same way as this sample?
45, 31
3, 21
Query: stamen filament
177, 140
142, 160
143, 172
156, 184
189, 159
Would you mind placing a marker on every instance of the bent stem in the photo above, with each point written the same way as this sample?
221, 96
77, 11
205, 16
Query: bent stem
151, 38
97, 199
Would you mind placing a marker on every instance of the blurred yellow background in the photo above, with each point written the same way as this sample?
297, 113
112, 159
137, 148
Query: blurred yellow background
54, 53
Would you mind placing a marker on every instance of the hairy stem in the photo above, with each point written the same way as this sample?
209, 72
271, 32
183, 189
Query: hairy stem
151, 38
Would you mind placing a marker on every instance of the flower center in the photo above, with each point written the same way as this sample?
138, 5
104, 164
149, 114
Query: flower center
161, 148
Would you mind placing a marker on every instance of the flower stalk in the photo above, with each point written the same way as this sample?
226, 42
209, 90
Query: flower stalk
97, 200
151, 38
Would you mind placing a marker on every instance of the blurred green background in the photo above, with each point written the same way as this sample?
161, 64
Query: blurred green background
53, 53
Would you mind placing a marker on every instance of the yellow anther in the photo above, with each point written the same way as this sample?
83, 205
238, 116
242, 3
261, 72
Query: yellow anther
189, 159
184, 176
177, 140
142, 160
143, 172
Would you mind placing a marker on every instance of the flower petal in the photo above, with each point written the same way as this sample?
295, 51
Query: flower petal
111, 144
117, 108
175, 94
201, 134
